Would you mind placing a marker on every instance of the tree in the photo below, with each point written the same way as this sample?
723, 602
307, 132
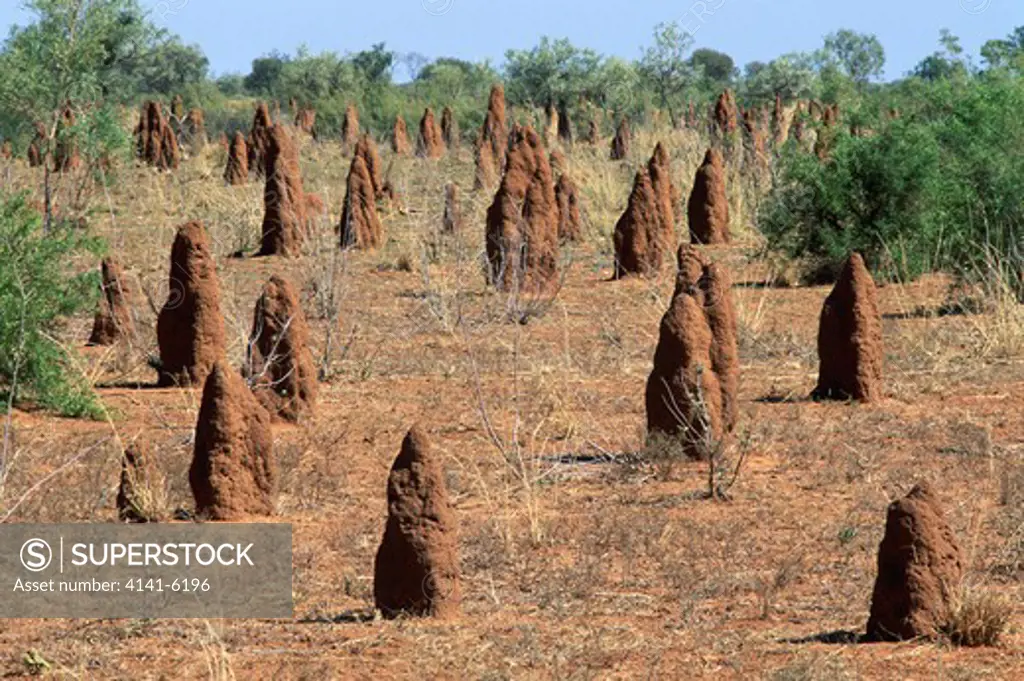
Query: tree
791, 76
375, 64
718, 68
171, 66
1007, 53
859, 56
265, 77
665, 67
553, 72
944, 64
75, 57
37, 288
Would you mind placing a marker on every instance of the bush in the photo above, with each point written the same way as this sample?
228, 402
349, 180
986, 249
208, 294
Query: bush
940, 189
872, 195
36, 291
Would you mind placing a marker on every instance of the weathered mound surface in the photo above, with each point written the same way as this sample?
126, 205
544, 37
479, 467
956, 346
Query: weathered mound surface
138, 489
636, 237
156, 143
691, 392
360, 225
280, 364
570, 224
452, 219
449, 129
305, 120
430, 144
622, 141
920, 570
350, 127
708, 207
485, 176
400, 137
190, 328
557, 161
522, 221
237, 170
259, 139
366, 149
551, 129
113, 319
754, 138
850, 347
284, 202
494, 132
725, 113
416, 570
194, 128
233, 473
659, 167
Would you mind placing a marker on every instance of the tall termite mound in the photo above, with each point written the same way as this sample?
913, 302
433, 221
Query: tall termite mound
400, 137
622, 141
485, 176
156, 143
237, 170
570, 224
659, 167
350, 127
360, 225
920, 570
190, 328
305, 120
195, 130
259, 138
708, 207
280, 364
451, 221
754, 139
233, 473
113, 319
138, 493
284, 202
691, 393
367, 150
551, 128
522, 221
725, 113
416, 569
850, 347
494, 132
638, 247
449, 129
430, 143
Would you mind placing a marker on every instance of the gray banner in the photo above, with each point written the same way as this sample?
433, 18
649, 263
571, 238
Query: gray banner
211, 570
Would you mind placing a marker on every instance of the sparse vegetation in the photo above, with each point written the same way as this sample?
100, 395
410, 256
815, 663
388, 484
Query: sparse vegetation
588, 549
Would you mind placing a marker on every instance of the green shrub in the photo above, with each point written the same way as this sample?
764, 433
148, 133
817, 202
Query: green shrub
940, 189
872, 195
37, 289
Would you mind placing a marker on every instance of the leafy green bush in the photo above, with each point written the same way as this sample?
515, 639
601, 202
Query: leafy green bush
940, 189
872, 195
37, 289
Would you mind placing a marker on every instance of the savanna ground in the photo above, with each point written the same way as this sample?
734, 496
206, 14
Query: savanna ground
579, 560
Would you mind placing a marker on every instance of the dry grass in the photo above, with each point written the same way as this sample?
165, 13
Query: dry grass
573, 567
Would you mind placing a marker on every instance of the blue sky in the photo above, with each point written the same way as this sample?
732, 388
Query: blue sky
477, 29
